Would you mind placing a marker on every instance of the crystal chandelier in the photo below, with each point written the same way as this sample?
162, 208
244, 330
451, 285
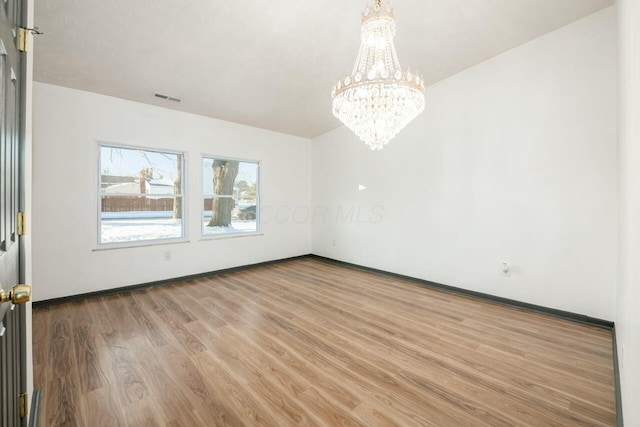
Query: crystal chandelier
378, 99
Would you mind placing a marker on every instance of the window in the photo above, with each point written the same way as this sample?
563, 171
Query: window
231, 196
141, 194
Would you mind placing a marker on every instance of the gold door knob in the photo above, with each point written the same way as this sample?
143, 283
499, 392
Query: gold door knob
18, 295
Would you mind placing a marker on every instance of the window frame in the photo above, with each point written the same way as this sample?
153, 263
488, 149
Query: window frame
146, 242
203, 195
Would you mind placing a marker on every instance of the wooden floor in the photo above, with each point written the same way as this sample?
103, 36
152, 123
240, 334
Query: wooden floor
310, 343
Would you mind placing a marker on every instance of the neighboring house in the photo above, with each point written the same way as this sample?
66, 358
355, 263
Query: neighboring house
124, 188
107, 181
159, 186
130, 185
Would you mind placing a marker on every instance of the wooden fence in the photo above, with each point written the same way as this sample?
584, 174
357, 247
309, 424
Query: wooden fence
136, 203
143, 203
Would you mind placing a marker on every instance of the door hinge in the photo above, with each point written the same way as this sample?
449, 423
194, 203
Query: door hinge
22, 38
21, 224
24, 405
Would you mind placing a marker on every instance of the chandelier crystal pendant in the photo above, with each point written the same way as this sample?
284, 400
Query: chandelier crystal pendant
378, 99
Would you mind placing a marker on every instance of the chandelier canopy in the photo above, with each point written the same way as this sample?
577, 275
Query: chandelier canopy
378, 99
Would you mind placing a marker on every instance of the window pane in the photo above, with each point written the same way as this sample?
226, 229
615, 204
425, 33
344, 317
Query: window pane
231, 192
141, 195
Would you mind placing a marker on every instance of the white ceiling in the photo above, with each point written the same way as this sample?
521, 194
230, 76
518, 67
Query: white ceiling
268, 64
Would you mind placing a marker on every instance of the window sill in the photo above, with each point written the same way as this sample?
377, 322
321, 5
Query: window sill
229, 236
142, 244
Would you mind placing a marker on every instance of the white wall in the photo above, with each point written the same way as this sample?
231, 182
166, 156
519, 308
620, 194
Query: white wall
628, 308
67, 124
513, 160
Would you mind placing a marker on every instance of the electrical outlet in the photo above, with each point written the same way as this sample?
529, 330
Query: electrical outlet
167, 256
505, 269
333, 242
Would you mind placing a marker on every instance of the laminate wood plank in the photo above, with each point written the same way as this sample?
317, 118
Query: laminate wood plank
80, 313
207, 398
325, 409
145, 413
171, 324
107, 318
182, 314
371, 416
168, 394
307, 342
196, 305
101, 318
243, 367
242, 401
61, 359
184, 419
62, 399
100, 408
199, 288
40, 333
282, 406
148, 326
129, 384
290, 360
90, 371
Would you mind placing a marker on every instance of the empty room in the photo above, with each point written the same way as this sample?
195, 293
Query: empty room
337, 213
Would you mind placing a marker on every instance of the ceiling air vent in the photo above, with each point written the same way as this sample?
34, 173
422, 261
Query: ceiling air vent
167, 97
